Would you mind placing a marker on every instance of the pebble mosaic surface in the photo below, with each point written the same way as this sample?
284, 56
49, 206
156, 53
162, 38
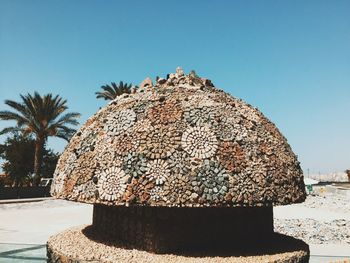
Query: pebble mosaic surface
180, 142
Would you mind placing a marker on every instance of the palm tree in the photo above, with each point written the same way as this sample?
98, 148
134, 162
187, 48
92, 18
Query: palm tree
40, 116
113, 91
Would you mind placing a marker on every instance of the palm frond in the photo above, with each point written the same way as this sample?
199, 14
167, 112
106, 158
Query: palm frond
65, 133
18, 107
40, 115
110, 92
9, 115
10, 130
69, 118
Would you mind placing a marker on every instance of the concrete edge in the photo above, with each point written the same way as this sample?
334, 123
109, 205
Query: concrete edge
24, 200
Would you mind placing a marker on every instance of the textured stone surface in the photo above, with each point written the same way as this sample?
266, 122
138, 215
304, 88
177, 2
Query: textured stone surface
278, 249
180, 133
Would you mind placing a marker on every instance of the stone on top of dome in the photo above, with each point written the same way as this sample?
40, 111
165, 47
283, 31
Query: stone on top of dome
179, 142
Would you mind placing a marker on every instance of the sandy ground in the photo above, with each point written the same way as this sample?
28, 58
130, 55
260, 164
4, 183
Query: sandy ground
321, 214
33, 223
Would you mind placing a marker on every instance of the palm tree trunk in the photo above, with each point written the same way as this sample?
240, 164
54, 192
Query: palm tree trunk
39, 146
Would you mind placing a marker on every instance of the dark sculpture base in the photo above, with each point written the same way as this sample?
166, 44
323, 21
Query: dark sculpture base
173, 229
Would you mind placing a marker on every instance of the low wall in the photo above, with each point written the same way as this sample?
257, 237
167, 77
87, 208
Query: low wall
24, 192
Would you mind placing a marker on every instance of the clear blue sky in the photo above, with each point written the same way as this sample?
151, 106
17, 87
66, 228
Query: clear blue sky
291, 59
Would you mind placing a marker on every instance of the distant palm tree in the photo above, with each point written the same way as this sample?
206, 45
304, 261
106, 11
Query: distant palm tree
40, 116
113, 91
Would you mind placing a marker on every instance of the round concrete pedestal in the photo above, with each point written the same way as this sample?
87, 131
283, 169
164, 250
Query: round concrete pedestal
80, 245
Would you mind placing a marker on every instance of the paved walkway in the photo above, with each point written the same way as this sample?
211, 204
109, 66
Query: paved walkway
35, 222
26, 226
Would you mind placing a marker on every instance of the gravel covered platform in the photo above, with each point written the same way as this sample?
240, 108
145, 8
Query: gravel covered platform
60, 248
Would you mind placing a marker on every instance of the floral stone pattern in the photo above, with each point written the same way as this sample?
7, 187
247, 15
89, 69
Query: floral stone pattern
179, 142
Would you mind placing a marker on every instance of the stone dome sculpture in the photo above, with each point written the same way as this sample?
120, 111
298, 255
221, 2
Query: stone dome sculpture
178, 167
181, 142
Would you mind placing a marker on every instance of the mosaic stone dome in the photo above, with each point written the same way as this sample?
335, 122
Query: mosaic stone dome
179, 142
